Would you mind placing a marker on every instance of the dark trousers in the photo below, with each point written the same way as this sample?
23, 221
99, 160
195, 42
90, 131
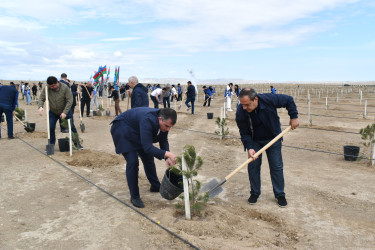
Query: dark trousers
165, 101
191, 100
9, 116
179, 98
87, 103
275, 162
155, 101
207, 99
132, 169
52, 124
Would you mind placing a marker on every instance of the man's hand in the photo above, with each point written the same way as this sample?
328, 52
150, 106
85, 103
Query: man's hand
251, 154
13, 113
63, 116
40, 110
171, 158
294, 123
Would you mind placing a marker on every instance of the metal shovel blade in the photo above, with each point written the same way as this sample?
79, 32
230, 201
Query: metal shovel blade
50, 148
213, 187
107, 112
82, 126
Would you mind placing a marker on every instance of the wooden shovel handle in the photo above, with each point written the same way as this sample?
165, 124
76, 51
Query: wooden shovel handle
20, 121
258, 153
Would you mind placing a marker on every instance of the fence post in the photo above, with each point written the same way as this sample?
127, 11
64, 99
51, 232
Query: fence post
309, 121
361, 97
326, 102
70, 138
186, 188
221, 119
224, 111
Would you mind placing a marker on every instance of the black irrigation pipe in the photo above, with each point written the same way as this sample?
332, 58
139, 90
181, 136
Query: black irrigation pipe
114, 197
308, 149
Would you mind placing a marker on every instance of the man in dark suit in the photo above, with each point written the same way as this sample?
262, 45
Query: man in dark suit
139, 96
134, 133
8, 103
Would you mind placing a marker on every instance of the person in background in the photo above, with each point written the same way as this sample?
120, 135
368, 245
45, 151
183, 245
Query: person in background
27, 93
273, 90
64, 79
115, 95
155, 96
166, 95
237, 92
139, 96
8, 103
34, 89
258, 123
134, 133
94, 99
122, 92
60, 100
190, 97
180, 91
207, 96
228, 95
174, 93
74, 90
87, 93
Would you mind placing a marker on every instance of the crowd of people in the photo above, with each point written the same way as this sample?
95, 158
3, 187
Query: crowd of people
135, 130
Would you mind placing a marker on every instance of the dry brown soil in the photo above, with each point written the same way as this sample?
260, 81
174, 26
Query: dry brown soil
331, 202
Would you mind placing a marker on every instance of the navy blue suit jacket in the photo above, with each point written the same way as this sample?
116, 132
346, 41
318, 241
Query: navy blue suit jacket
139, 96
137, 129
8, 97
267, 113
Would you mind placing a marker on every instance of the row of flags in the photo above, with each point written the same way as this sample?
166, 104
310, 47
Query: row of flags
98, 78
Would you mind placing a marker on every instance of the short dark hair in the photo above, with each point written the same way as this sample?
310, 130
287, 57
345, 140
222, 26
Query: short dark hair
167, 114
51, 80
251, 93
64, 75
189, 82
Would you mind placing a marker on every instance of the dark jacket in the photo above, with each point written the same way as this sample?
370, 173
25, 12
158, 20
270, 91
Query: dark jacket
114, 94
267, 113
137, 129
191, 91
86, 92
8, 97
139, 96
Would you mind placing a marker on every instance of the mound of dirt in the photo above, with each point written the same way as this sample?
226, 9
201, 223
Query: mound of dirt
94, 159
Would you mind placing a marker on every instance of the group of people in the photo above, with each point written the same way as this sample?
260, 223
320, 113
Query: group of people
135, 130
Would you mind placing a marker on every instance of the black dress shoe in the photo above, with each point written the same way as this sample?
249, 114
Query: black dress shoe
65, 131
154, 189
137, 202
11, 137
88, 116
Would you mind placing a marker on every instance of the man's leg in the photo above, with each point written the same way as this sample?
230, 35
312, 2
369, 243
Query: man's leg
253, 170
52, 126
88, 107
1, 116
169, 102
9, 116
187, 102
150, 168
275, 161
192, 105
132, 173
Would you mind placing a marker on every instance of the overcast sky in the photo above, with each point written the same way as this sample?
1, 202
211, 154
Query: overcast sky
278, 40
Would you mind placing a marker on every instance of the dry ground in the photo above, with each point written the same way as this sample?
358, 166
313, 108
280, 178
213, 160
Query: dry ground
331, 201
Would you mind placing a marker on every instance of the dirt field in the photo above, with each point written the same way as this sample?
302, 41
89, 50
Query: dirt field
331, 202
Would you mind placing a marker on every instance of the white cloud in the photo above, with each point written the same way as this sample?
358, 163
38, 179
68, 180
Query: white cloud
121, 39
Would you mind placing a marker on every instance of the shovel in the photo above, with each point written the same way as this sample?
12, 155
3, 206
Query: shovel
50, 148
28, 126
182, 99
214, 188
81, 125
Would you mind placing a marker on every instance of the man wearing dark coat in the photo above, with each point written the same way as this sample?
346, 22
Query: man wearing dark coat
8, 103
134, 133
259, 123
139, 96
